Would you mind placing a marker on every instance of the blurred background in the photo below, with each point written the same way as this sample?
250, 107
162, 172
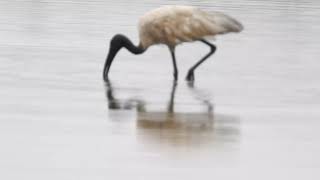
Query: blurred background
252, 113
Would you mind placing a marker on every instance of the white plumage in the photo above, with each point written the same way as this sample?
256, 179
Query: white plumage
172, 25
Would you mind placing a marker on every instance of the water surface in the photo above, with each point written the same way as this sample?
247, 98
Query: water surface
253, 112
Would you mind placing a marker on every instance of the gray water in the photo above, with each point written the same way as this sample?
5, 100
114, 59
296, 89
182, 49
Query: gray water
252, 113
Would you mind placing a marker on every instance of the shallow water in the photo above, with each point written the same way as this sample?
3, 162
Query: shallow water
252, 113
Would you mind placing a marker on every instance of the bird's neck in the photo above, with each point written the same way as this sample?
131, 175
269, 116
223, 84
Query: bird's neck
117, 42
134, 49
123, 41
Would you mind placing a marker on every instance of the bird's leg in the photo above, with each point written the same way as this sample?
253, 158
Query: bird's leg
190, 75
171, 102
175, 74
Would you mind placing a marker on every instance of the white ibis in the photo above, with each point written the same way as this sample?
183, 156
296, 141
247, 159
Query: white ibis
173, 25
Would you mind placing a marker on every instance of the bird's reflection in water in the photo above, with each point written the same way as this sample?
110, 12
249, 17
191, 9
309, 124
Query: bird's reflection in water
178, 127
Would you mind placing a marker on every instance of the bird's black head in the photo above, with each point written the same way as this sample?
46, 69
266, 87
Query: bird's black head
116, 43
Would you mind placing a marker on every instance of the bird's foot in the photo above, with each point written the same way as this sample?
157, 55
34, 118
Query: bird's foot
190, 76
190, 84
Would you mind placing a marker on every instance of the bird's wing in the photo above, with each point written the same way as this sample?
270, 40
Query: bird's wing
224, 23
192, 25
198, 24
175, 24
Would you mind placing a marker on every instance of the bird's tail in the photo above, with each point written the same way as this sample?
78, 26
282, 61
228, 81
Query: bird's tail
225, 23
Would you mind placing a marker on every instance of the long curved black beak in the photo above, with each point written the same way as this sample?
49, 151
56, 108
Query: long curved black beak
113, 50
